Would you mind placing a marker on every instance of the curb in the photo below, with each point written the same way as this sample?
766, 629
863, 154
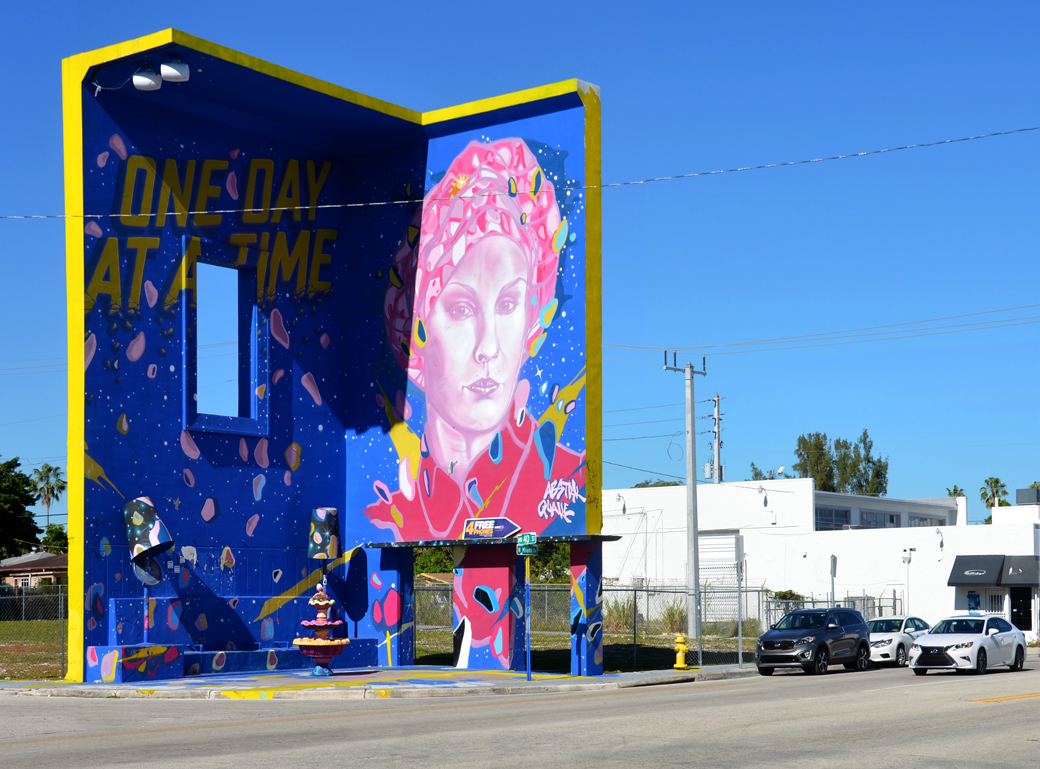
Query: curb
370, 691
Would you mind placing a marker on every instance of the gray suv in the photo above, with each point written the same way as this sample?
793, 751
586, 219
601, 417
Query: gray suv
812, 639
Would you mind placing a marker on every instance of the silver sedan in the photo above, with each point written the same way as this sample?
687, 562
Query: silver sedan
892, 637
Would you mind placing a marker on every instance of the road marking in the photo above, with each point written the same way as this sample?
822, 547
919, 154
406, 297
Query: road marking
1010, 697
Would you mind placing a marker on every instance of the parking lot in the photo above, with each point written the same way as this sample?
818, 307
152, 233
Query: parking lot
882, 717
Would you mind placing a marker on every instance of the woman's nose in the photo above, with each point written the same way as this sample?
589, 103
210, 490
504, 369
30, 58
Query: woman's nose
487, 342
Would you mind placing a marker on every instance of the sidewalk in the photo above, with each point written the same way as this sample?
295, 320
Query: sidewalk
376, 683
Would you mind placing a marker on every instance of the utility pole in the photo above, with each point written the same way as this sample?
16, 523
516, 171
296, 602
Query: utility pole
717, 430
693, 576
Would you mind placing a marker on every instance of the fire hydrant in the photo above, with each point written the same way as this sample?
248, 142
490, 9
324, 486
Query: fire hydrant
680, 652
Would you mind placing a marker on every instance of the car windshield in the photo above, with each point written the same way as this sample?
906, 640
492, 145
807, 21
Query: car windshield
885, 625
806, 621
949, 626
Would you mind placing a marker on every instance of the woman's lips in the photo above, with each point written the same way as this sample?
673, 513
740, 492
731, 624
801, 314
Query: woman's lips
484, 387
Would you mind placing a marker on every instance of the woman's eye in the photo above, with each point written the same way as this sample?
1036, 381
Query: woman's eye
460, 311
506, 306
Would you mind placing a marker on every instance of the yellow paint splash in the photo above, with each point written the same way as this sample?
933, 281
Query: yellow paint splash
555, 413
405, 441
96, 473
272, 605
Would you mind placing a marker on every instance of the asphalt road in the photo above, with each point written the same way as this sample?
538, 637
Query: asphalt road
878, 718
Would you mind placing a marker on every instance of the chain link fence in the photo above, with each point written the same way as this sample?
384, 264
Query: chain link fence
33, 644
869, 606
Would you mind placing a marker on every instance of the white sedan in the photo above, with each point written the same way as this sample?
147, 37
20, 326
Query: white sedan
892, 637
969, 642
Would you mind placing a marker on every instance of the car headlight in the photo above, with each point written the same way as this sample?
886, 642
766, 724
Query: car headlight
915, 647
879, 644
807, 639
965, 645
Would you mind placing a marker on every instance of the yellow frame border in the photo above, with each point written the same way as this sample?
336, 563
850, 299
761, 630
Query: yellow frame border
74, 69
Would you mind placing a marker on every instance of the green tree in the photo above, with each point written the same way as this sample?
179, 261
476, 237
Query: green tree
847, 467
553, 562
956, 491
433, 560
992, 492
55, 540
1035, 485
767, 475
787, 595
654, 483
49, 484
18, 529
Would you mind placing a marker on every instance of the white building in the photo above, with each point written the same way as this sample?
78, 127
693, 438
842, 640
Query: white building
790, 532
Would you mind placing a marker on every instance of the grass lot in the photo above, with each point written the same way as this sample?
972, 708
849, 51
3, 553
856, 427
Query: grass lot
30, 649
550, 652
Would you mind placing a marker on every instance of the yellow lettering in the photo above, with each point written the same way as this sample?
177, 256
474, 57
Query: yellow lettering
289, 193
143, 246
184, 278
135, 164
243, 240
314, 185
289, 261
207, 191
316, 284
259, 217
105, 279
171, 187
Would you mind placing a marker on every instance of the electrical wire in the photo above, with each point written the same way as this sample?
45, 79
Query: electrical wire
577, 187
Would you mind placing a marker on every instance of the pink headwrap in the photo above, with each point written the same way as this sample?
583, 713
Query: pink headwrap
495, 188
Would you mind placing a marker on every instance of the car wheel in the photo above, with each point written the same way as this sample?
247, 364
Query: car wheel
901, 657
920, 671
980, 663
1020, 659
862, 659
819, 666
765, 671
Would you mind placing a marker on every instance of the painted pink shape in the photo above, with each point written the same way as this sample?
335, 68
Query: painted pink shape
260, 453
288, 478
243, 449
93, 229
152, 370
325, 339
89, 348
232, 185
102, 159
277, 377
520, 394
258, 487
209, 509
189, 478
251, 525
135, 349
116, 143
151, 293
392, 608
380, 400
307, 380
402, 408
292, 454
234, 153
188, 444
404, 478
278, 328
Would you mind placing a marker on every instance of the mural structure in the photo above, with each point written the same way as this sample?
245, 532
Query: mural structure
418, 349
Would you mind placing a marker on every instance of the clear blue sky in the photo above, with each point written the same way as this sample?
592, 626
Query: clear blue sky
763, 254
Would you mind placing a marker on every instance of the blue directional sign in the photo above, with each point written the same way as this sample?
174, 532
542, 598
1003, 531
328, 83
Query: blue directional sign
489, 528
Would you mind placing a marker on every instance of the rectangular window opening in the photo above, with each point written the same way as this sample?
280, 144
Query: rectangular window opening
218, 318
829, 519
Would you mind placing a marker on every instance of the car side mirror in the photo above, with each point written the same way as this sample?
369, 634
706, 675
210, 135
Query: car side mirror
773, 626
992, 631
832, 626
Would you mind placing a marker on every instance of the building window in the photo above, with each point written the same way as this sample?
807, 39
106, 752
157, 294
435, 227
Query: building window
926, 520
996, 603
23, 582
829, 519
879, 520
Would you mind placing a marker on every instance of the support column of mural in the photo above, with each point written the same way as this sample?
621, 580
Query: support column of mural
586, 609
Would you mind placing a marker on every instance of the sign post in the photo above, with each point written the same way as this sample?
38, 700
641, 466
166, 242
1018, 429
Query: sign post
526, 546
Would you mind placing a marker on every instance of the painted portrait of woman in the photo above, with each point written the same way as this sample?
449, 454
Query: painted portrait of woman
471, 299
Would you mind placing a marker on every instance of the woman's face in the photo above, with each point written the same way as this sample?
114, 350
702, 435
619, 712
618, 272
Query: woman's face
476, 331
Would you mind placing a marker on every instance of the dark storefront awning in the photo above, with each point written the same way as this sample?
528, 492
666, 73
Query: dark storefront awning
1020, 570
976, 570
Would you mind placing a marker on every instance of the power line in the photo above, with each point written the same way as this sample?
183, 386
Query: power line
644, 408
647, 422
642, 470
644, 437
34, 419
672, 177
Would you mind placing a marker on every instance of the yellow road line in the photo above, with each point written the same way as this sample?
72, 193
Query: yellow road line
1010, 697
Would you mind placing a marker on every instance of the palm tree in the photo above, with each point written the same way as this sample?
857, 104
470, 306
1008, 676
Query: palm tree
992, 491
956, 491
49, 483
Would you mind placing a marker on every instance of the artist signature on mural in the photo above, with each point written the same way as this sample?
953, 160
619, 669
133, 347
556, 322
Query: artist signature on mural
558, 495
